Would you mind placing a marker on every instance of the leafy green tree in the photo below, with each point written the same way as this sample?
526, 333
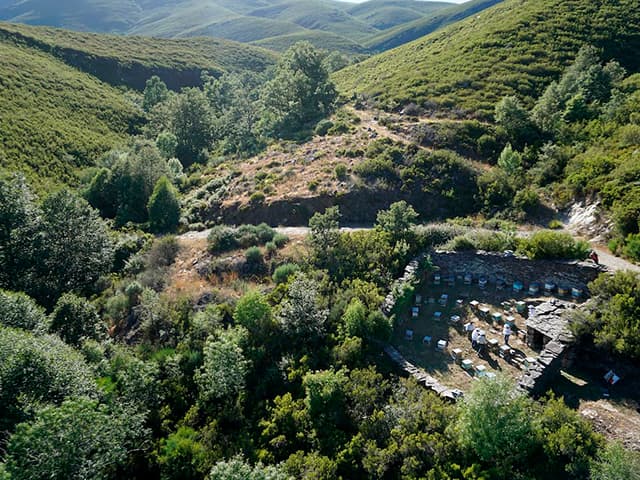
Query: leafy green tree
181, 456
101, 193
134, 178
254, 313
325, 402
495, 422
192, 125
19, 222
568, 440
37, 369
75, 319
238, 469
616, 463
155, 92
18, 310
283, 272
311, 466
510, 161
164, 207
300, 316
324, 234
397, 220
511, 115
77, 440
354, 319
300, 92
167, 144
225, 367
69, 262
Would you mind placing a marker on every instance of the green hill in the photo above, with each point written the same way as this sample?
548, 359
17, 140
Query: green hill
408, 31
385, 14
55, 119
130, 61
324, 40
517, 46
59, 108
240, 20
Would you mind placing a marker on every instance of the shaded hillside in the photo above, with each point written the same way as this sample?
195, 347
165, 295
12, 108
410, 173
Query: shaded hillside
384, 14
409, 31
323, 40
514, 47
130, 61
53, 118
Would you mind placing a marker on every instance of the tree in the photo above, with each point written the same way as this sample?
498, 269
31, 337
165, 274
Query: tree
225, 367
300, 92
69, 262
18, 310
238, 469
155, 92
511, 115
324, 234
167, 144
19, 223
38, 369
510, 161
164, 207
397, 220
77, 440
254, 313
182, 456
495, 422
616, 463
192, 125
300, 315
75, 320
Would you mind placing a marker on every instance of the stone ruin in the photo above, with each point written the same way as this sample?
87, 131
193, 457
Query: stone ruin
548, 331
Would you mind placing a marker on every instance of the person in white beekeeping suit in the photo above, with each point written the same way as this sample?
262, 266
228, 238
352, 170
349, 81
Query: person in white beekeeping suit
506, 331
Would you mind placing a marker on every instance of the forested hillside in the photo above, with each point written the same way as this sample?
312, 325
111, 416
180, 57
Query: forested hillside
516, 47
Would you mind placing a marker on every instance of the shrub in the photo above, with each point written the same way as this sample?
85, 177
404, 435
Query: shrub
253, 256
223, 238
271, 247
550, 244
322, 127
555, 224
284, 272
632, 247
280, 239
438, 234
257, 198
341, 172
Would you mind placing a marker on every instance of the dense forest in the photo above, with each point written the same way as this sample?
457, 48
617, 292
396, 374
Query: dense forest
144, 336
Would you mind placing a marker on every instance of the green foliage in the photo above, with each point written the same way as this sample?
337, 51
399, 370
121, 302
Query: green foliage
300, 316
495, 423
18, 310
512, 116
75, 319
615, 462
167, 144
341, 172
510, 161
238, 469
35, 370
155, 92
164, 207
300, 92
182, 456
282, 273
78, 439
223, 238
191, 123
550, 244
397, 220
614, 322
254, 313
225, 367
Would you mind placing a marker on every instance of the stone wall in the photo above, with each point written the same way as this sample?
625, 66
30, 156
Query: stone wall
411, 276
509, 268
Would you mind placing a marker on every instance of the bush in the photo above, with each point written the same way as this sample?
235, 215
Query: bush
341, 171
271, 247
549, 244
322, 127
224, 238
436, 235
257, 198
253, 256
631, 248
555, 224
280, 239
284, 272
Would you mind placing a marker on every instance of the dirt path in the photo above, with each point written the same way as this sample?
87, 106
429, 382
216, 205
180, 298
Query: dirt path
611, 261
289, 231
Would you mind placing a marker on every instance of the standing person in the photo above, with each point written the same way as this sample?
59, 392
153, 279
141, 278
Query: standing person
506, 331
468, 328
482, 343
474, 338
594, 256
